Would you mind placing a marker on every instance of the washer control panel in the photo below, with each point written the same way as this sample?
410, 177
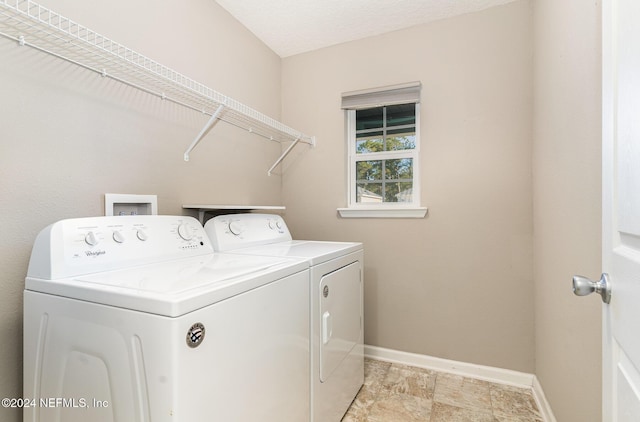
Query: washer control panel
86, 245
233, 231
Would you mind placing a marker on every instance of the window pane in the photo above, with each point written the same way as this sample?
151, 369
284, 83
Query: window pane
369, 142
398, 192
401, 114
370, 118
397, 169
368, 170
399, 139
392, 131
369, 192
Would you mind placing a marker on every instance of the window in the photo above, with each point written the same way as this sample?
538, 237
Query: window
384, 144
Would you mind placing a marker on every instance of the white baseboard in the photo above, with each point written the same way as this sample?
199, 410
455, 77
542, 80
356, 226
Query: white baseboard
541, 401
486, 373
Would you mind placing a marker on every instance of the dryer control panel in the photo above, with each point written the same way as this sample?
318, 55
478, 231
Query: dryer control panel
87, 245
233, 231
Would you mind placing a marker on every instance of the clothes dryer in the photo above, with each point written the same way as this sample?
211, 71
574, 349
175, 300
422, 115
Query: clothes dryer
137, 319
336, 293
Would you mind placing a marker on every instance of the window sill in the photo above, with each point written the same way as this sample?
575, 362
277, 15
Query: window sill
377, 212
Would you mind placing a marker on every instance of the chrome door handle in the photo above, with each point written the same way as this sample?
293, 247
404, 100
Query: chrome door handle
582, 286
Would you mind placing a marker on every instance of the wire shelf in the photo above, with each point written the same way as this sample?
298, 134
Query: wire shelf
30, 24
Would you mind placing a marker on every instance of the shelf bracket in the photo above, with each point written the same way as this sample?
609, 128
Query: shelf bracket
212, 121
284, 154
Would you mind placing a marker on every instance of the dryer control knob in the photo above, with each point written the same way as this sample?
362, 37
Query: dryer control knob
91, 239
186, 231
235, 228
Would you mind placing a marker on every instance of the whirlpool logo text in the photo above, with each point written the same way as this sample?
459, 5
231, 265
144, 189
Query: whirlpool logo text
94, 253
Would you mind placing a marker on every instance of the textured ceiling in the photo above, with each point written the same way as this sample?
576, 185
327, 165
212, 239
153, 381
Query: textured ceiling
291, 27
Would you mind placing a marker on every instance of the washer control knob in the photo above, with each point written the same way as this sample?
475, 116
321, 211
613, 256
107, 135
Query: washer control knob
91, 239
142, 235
118, 237
235, 228
186, 231
275, 225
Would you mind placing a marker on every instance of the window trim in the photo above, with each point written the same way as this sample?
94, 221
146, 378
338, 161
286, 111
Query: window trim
385, 209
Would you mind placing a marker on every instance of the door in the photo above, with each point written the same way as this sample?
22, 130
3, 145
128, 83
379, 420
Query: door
621, 208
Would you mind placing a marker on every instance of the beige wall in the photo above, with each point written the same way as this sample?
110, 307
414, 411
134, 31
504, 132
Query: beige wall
567, 204
457, 284
67, 136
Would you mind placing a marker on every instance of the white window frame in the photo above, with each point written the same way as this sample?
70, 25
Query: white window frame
384, 209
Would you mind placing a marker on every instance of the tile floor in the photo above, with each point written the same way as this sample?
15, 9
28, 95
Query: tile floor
398, 393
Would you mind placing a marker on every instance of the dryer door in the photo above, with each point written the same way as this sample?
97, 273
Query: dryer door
340, 316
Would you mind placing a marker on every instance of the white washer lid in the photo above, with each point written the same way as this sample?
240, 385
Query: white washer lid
172, 288
313, 251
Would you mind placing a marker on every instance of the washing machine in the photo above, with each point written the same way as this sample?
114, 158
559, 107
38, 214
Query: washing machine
336, 294
136, 319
